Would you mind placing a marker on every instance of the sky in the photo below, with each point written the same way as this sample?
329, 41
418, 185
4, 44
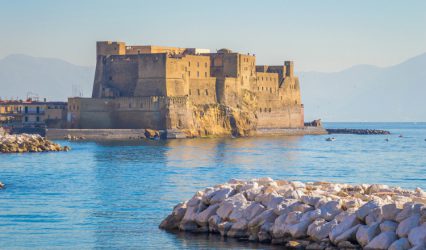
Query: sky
326, 35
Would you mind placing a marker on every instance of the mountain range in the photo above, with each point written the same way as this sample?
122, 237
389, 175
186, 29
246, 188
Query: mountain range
359, 93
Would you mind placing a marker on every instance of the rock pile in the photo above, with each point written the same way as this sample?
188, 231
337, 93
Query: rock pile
314, 215
27, 143
74, 137
358, 131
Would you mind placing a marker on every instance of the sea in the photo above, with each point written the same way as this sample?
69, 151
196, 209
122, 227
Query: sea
114, 194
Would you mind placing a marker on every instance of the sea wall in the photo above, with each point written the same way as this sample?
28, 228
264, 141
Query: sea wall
98, 134
23, 143
314, 215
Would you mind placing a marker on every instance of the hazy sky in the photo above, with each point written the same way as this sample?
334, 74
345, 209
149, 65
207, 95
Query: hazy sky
318, 35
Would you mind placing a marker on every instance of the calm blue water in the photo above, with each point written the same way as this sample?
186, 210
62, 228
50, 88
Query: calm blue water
115, 194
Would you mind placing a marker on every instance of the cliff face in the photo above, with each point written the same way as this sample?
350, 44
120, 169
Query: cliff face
219, 119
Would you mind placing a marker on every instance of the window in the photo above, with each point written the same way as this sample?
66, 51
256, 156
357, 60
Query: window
198, 64
207, 92
26, 111
198, 90
264, 109
189, 92
189, 64
26, 118
269, 110
205, 74
38, 118
189, 73
260, 110
110, 78
198, 73
38, 110
205, 65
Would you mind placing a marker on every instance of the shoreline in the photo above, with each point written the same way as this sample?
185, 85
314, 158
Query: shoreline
137, 134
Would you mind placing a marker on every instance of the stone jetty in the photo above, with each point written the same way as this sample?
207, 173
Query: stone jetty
21, 143
313, 215
358, 131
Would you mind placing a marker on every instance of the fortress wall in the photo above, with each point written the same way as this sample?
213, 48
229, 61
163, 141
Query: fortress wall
179, 113
202, 91
227, 91
152, 75
285, 117
121, 73
267, 83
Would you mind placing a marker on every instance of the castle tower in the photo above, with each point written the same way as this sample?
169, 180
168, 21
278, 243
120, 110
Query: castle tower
106, 48
289, 66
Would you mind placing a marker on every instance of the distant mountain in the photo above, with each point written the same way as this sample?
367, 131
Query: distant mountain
367, 93
360, 93
49, 78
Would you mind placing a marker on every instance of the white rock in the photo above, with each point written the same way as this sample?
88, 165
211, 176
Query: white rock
299, 230
348, 235
330, 209
310, 200
203, 217
390, 211
367, 208
366, 233
417, 235
238, 229
311, 215
401, 244
274, 202
214, 222
406, 225
293, 217
409, 209
279, 226
265, 216
264, 181
382, 241
388, 225
253, 210
346, 224
320, 229
220, 195
298, 184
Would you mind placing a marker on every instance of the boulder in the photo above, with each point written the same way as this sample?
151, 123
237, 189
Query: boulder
406, 225
299, 230
367, 208
320, 229
348, 235
390, 211
401, 244
330, 209
366, 233
409, 209
388, 225
203, 217
347, 223
382, 241
417, 235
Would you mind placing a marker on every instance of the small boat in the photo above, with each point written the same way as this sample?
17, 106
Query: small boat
400, 136
330, 139
387, 139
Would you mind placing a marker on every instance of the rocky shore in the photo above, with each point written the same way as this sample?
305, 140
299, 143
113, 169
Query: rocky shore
314, 215
28, 143
358, 131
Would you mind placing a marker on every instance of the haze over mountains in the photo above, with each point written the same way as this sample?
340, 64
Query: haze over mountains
360, 93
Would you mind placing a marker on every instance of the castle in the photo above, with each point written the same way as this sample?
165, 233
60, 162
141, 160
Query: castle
187, 91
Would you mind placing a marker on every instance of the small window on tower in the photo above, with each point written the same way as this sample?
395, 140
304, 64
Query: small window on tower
205, 74
110, 78
207, 92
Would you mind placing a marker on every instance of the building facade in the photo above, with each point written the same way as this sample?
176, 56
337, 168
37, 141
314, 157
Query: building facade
29, 113
188, 90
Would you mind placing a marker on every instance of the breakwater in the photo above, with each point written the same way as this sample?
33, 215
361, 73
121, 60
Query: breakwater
315, 215
28, 143
358, 131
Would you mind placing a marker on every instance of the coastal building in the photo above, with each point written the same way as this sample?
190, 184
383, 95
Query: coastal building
30, 113
187, 90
